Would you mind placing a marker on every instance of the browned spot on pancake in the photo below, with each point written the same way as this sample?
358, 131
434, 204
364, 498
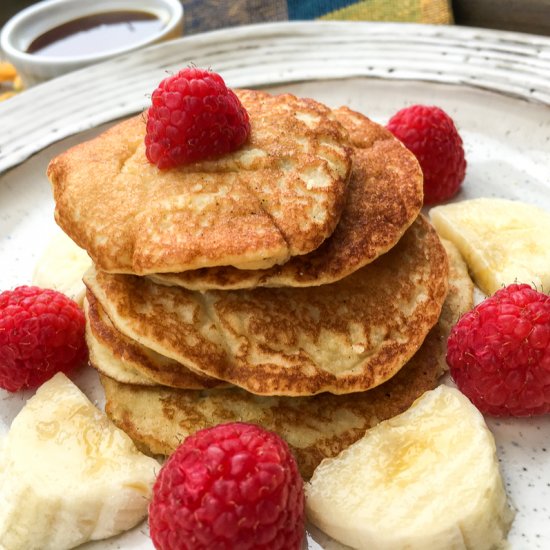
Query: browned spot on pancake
120, 353
141, 302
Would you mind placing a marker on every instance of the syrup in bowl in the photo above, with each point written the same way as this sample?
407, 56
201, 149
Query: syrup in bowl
97, 33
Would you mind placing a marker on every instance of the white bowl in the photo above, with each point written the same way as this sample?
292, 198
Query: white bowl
20, 31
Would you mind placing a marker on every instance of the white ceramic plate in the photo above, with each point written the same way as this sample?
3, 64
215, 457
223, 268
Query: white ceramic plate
484, 79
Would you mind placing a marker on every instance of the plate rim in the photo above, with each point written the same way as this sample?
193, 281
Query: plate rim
509, 63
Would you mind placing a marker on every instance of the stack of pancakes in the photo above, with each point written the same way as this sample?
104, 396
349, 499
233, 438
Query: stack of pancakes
292, 283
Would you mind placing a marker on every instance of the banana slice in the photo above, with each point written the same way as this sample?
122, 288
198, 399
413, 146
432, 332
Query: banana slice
67, 474
426, 479
502, 241
62, 266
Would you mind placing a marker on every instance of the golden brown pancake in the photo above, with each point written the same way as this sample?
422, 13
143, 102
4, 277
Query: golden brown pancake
345, 337
102, 359
125, 360
384, 198
158, 419
460, 285
278, 196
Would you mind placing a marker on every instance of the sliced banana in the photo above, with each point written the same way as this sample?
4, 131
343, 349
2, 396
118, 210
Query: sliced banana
502, 241
67, 474
62, 266
426, 479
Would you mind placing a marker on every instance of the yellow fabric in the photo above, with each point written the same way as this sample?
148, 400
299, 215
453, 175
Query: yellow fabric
413, 11
10, 82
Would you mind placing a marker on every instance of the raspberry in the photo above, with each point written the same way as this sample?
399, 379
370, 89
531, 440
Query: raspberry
232, 486
431, 135
41, 333
499, 353
194, 116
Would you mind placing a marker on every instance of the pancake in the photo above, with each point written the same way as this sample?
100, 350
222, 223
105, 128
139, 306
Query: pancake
384, 198
278, 196
345, 337
102, 358
127, 361
158, 419
460, 285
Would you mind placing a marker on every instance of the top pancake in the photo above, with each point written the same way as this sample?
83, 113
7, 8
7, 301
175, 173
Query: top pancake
345, 337
278, 196
384, 198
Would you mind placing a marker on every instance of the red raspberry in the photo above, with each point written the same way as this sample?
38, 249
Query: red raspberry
499, 353
431, 135
41, 333
232, 486
194, 116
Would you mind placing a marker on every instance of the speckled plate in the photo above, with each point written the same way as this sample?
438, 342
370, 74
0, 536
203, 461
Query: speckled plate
495, 85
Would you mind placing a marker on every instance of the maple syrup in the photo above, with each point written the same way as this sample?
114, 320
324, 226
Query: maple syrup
96, 33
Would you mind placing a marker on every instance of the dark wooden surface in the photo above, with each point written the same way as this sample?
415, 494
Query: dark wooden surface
9, 8
531, 16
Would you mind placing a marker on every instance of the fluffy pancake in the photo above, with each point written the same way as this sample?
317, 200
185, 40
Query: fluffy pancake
345, 337
128, 362
278, 196
125, 360
461, 290
158, 419
101, 358
384, 198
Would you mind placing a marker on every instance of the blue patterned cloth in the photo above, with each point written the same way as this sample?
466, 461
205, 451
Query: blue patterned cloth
205, 15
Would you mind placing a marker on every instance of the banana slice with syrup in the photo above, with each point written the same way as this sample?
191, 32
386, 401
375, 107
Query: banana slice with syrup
67, 474
427, 478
